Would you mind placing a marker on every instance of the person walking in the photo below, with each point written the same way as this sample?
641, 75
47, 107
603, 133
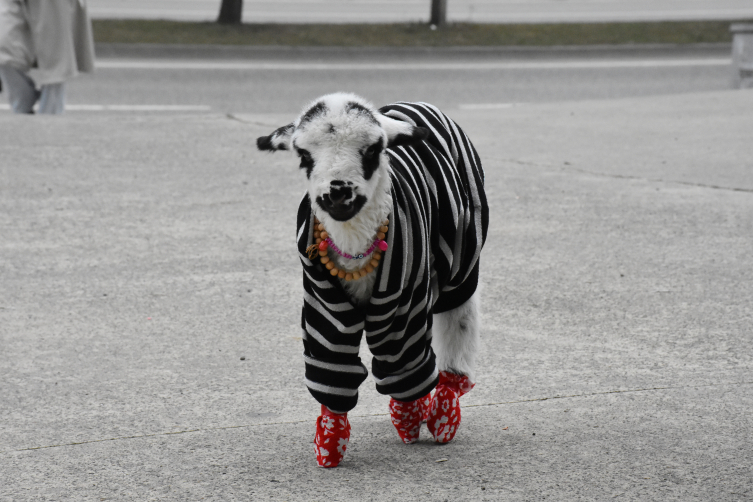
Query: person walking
43, 43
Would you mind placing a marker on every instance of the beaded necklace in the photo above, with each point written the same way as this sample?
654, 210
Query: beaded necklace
324, 243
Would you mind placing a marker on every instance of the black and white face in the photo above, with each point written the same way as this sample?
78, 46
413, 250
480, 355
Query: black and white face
340, 140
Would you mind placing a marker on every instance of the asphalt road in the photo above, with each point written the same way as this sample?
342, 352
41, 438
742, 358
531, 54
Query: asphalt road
490, 11
150, 313
276, 80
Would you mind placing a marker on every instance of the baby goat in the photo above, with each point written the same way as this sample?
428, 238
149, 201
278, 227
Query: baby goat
389, 234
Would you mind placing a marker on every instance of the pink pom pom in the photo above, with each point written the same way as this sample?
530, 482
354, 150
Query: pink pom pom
383, 245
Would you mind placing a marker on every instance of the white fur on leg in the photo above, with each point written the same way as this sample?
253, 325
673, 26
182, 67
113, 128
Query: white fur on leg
456, 338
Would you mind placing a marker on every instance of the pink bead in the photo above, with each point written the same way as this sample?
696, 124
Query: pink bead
383, 245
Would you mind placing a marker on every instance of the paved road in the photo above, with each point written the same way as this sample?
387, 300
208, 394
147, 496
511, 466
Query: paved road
150, 310
273, 80
497, 11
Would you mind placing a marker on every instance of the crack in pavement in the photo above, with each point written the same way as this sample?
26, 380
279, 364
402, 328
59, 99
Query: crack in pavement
481, 405
656, 180
569, 168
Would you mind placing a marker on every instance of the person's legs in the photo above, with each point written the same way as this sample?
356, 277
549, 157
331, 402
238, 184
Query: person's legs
22, 94
52, 99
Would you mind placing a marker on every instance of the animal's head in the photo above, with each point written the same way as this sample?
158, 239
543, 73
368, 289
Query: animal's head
341, 141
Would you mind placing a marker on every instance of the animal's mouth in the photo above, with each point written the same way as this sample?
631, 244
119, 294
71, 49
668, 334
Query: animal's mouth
340, 211
343, 214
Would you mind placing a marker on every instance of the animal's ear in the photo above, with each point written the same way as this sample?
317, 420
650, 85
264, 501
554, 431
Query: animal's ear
278, 140
401, 133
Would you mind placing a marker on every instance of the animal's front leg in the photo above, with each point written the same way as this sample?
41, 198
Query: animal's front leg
407, 417
332, 437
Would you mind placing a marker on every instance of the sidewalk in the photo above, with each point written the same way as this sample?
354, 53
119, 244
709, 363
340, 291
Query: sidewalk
390, 11
149, 314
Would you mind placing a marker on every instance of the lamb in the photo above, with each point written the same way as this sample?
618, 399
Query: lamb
390, 231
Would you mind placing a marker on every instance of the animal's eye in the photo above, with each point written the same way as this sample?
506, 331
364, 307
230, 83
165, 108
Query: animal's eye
373, 151
307, 162
304, 155
370, 160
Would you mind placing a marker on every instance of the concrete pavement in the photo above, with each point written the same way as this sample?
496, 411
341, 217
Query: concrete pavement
150, 298
474, 11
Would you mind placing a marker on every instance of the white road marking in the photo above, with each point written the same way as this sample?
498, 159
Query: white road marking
158, 64
130, 108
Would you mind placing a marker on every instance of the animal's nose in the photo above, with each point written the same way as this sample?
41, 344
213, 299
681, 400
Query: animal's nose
338, 197
342, 202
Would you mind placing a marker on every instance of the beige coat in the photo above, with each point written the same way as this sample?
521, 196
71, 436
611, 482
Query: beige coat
52, 38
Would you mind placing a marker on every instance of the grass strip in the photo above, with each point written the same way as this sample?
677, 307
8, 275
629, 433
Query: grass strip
410, 34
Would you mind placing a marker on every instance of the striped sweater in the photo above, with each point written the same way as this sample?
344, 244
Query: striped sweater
438, 227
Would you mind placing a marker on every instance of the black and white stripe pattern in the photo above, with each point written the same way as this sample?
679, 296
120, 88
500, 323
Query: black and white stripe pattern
437, 229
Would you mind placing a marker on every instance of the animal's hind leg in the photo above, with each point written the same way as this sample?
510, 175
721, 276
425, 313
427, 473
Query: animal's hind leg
456, 338
455, 342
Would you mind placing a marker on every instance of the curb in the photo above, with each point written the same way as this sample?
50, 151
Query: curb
180, 51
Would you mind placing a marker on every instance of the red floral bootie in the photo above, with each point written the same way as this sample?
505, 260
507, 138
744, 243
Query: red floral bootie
407, 417
425, 407
332, 436
444, 412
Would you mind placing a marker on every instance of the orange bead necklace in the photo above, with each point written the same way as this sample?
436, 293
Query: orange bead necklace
323, 242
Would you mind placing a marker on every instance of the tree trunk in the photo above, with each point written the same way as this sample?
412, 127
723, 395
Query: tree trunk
438, 12
231, 12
